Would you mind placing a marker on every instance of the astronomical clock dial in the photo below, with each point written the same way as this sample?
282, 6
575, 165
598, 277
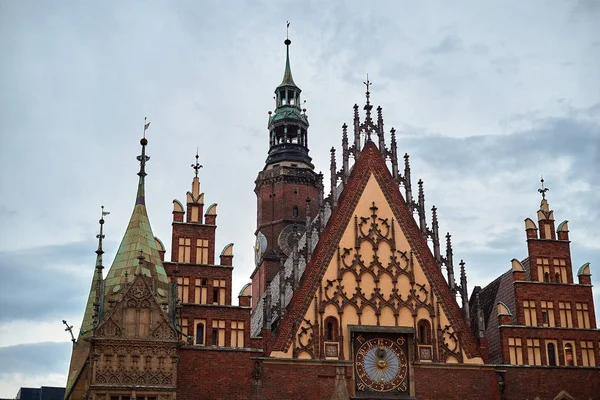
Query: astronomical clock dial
381, 364
260, 246
287, 238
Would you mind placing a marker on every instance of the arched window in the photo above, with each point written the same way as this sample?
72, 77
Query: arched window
569, 360
424, 332
295, 212
331, 329
200, 334
551, 354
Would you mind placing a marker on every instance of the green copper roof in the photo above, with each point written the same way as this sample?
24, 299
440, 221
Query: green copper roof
88, 317
289, 114
137, 241
288, 80
138, 236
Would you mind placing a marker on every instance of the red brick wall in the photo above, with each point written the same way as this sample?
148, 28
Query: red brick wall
193, 231
546, 382
549, 249
455, 382
575, 335
203, 272
555, 292
231, 375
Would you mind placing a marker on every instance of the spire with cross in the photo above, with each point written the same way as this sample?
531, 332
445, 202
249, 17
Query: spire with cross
543, 189
196, 166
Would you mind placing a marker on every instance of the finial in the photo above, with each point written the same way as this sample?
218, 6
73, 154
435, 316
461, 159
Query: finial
196, 166
543, 190
142, 158
100, 236
368, 85
140, 258
69, 329
368, 106
287, 34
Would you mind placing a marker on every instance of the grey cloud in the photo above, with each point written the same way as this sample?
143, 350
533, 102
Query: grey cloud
551, 137
35, 358
449, 44
45, 282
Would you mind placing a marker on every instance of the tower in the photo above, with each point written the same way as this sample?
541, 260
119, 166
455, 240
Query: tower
288, 190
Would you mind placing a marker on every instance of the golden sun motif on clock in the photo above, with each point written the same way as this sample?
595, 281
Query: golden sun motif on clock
381, 365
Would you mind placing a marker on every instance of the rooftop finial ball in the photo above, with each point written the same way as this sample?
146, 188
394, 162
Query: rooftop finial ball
144, 141
287, 42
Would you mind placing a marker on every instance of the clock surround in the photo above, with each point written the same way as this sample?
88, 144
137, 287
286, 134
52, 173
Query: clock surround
381, 362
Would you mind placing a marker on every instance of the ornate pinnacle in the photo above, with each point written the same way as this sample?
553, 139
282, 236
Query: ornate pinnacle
435, 236
380, 132
394, 154
333, 172
407, 183
356, 132
464, 295
196, 166
345, 153
421, 209
543, 190
450, 263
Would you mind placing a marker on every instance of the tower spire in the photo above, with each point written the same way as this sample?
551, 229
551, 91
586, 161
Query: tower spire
288, 124
142, 158
288, 80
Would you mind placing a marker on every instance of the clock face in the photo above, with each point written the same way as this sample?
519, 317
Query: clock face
259, 247
381, 364
289, 236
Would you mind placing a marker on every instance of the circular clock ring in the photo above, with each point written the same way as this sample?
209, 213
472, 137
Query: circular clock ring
381, 364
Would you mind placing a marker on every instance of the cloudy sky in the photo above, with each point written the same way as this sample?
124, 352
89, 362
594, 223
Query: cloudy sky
485, 96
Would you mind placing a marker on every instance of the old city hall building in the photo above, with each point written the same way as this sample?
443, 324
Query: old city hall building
353, 296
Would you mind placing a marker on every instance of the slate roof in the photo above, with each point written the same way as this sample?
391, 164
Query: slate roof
499, 290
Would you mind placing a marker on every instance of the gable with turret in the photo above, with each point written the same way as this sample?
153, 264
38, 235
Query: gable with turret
375, 270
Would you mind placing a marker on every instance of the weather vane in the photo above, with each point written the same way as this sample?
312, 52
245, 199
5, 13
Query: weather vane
287, 30
543, 190
196, 166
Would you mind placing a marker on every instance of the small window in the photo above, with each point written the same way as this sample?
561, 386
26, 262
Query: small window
569, 355
216, 295
545, 318
331, 329
424, 331
551, 354
546, 277
200, 334
295, 212
215, 336
557, 277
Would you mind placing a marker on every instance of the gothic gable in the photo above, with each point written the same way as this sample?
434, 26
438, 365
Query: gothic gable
137, 316
372, 267
135, 345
